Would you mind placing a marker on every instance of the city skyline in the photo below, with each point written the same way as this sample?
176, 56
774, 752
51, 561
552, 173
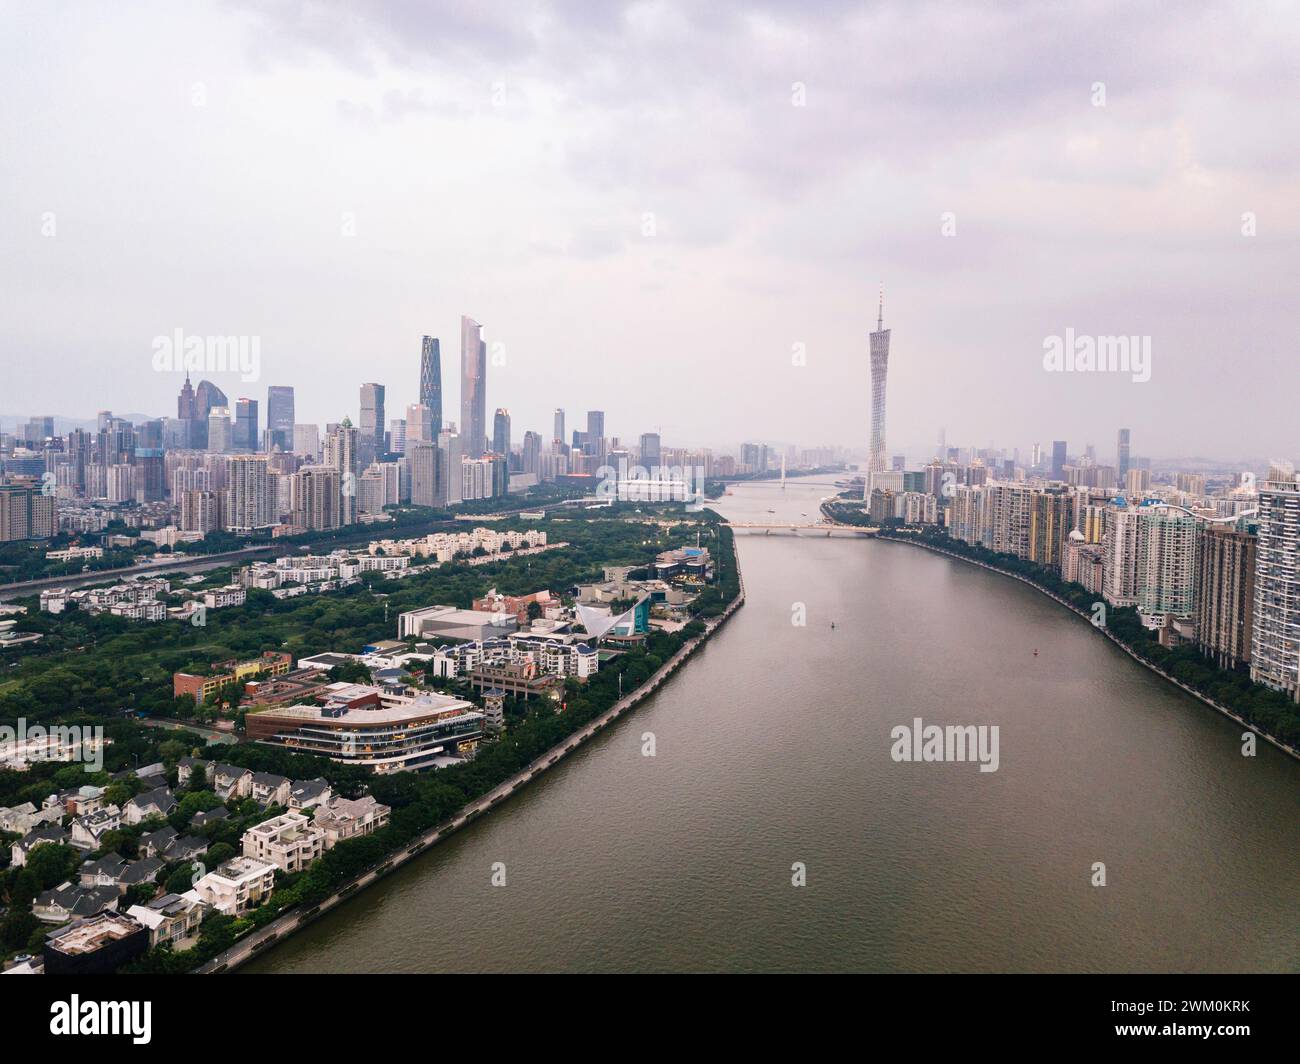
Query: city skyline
1028, 229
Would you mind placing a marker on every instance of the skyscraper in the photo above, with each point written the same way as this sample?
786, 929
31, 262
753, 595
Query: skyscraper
245, 438
431, 381
341, 452
424, 472
449, 469
558, 437
501, 432
473, 388
1275, 640
419, 424
879, 373
1058, 459
279, 417
185, 401
1225, 595
248, 500
595, 441
1122, 447
650, 449
370, 442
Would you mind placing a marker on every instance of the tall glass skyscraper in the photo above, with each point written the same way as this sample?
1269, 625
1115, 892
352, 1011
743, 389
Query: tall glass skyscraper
473, 388
245, 438
279, 417
431, 380
370, 444
1123, 445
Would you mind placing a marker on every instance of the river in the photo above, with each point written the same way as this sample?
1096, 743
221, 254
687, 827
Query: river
772, 747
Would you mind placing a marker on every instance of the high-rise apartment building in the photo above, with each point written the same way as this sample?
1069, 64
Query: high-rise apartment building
341, 452
26, 512
473, 388
594, 442
248, 499
319, 496
1275, 639
1225, 595
450, 458
423, 455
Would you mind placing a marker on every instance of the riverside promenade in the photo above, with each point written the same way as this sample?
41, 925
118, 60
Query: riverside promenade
1109, 635
263, 938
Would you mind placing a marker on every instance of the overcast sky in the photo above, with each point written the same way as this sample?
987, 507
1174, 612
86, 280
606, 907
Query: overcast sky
648, 206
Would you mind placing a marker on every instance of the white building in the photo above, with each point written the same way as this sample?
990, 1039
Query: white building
242, 883
290, 841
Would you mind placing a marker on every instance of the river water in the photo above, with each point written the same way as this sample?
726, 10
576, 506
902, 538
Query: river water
773, 747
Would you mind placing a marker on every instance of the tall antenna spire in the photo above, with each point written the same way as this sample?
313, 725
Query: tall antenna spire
880, 319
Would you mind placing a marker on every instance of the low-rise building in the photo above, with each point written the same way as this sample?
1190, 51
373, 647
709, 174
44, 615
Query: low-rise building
95, 946
242, 883
267, 789
155, 803
344, 818
89, 830
70, 901
173, 920
290, 841
306, 794
50, 834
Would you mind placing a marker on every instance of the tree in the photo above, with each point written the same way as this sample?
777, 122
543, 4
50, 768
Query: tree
52, 864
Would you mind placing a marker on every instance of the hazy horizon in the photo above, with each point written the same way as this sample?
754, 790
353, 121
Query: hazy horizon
656, 209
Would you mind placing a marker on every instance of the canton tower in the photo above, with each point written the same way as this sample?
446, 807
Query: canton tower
879, 370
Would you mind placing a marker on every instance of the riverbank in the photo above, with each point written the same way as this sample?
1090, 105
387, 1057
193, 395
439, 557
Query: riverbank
258, 941
1218, 706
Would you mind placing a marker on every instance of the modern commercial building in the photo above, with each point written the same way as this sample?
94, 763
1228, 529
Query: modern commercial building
473, 388
501, 431
1122, 447
1059, 456
362, 725
879, 375
1226, 595
279, 418
370, 439
1275, 639
451, 622
245, 436
450, 459
558, 432
219, 431
341, 452
431, 384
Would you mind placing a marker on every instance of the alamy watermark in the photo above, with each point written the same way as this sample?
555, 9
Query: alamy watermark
950, 743
655, 484
181, 353
58, 742
1073, 353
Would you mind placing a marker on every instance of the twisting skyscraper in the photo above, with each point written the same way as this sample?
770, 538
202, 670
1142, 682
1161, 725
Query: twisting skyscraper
431, 381
473, 388
879, 370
